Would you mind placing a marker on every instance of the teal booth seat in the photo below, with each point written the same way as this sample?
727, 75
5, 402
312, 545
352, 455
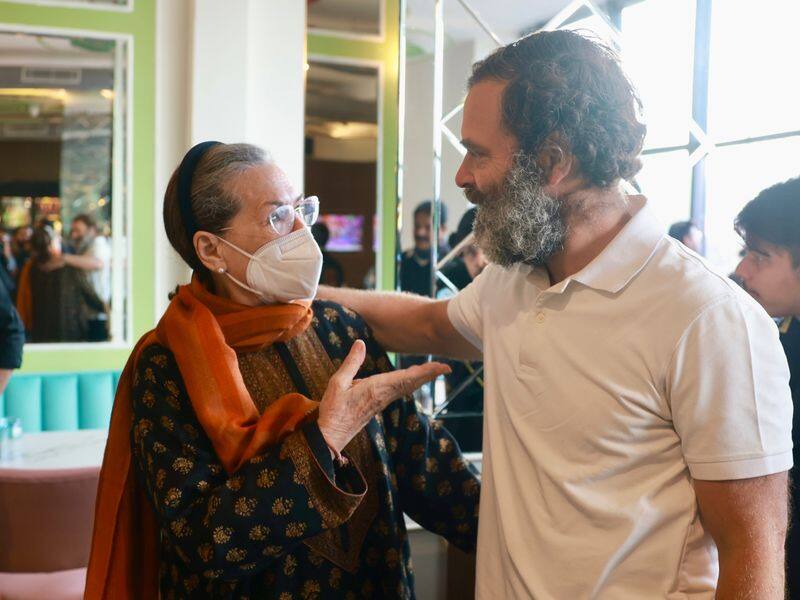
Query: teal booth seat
60, 401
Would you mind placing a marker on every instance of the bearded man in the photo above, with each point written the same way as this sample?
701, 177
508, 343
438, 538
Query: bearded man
637, 427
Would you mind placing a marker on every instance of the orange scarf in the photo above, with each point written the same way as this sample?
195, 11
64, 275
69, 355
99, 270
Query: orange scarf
201, 330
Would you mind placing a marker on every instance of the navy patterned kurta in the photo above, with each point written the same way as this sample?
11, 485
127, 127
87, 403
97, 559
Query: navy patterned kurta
289, 524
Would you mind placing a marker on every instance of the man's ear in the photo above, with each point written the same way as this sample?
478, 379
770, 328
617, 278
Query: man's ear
556, 163
209, 251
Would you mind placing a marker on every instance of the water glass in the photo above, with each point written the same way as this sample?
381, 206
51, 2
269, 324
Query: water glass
10, 432
5, 437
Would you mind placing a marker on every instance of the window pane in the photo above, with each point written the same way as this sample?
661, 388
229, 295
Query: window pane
657, 48
666, 179
736, 175
751, 89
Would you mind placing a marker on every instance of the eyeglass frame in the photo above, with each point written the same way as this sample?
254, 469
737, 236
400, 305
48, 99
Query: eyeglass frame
296, 208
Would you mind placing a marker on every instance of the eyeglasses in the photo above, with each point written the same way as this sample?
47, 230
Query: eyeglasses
282, 218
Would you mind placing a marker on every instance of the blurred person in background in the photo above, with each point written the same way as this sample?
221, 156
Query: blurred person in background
12, 337
21, 246
55, 301
15, 253
415, 265
8, 265
464, 415
469, 263
332, 273
688, 234
92, 254
770, 272
416, 268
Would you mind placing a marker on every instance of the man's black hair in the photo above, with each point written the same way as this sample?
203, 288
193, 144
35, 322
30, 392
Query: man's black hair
774, 217
681, 229
424, 208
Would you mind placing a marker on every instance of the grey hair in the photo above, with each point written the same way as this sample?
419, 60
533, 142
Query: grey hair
519, 222
213, 204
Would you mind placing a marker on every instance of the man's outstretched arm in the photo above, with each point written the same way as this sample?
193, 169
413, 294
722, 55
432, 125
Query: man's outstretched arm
404, 322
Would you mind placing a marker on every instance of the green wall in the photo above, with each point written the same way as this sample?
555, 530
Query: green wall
140, 24
387, 53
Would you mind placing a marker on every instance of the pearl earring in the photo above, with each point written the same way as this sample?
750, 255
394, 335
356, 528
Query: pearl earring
221, 269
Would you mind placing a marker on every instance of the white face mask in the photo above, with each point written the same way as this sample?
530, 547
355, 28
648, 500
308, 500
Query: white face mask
283, 270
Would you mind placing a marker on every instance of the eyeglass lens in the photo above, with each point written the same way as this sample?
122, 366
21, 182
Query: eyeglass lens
282, 219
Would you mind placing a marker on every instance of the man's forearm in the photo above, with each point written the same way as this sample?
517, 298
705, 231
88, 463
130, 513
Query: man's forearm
394, 316
755, 573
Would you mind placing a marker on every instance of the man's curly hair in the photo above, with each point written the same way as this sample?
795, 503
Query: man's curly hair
568, 90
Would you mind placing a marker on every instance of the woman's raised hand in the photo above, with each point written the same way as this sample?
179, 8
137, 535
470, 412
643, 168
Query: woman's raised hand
349, 404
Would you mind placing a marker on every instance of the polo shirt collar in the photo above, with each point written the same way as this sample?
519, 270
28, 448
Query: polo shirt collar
627, 254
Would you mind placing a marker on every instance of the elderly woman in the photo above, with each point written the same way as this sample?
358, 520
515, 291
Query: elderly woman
260, 445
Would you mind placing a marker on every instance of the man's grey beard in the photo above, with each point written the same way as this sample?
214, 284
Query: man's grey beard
519, 222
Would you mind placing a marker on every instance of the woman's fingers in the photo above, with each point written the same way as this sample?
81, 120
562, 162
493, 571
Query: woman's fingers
349, 404
388, 387
343, 378
428, 372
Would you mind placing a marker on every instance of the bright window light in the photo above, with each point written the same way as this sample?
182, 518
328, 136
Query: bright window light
753, 84
665, 179
657, 48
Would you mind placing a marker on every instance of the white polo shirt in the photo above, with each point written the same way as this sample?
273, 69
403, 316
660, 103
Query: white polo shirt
605, 395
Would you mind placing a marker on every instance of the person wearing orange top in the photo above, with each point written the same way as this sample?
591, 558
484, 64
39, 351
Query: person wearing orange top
260, 443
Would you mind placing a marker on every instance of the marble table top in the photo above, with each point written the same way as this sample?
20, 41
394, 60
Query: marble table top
56, 450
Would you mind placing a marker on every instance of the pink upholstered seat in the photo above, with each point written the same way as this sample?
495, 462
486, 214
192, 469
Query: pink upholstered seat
61, 585
46, 519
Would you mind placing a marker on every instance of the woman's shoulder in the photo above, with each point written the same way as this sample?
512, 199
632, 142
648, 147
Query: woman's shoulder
156, 363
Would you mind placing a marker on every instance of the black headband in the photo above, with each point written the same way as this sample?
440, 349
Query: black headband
185, 175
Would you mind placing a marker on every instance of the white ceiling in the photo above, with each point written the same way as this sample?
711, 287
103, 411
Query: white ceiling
509, 17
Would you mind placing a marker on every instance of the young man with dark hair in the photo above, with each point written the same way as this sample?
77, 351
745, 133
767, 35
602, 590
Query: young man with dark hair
415, 265
688, 234
770, 271
637, 407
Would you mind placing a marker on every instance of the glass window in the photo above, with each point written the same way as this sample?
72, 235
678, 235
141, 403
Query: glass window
666, 180
62, 183
736, 174
750, 94
657, 51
